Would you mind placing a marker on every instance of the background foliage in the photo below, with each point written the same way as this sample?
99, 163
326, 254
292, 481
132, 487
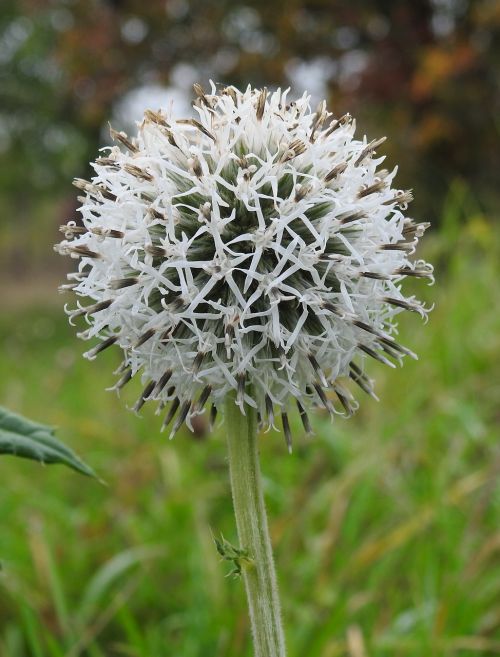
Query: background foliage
385, 527
425, 72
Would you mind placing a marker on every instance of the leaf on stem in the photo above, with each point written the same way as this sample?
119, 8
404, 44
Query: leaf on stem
27, 439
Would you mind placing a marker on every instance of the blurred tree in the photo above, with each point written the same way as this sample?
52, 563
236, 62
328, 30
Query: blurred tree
38, 138
424, 72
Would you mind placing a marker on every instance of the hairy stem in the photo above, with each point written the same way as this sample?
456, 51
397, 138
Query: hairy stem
253, 533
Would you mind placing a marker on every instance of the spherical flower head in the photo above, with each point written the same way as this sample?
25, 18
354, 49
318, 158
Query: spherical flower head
257, 248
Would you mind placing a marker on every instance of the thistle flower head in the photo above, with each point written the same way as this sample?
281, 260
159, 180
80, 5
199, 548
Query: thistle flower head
257, 248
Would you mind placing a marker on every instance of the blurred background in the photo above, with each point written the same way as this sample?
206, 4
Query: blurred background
386, 528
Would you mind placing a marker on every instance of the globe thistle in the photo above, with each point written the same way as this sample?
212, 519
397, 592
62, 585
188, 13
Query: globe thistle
257, 248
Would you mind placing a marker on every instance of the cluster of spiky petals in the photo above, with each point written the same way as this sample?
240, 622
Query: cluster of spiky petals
256, 248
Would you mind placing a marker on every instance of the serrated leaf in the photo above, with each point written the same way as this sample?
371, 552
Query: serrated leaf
31, 440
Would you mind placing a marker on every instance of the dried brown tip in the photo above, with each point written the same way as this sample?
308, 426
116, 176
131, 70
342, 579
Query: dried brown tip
70, 229
84, 251
350, 215
377, 186
294, 149
123, 139
336, 171
107, 232
337, 124
137, 172
231, 92
195, 165
156, 117
261, 104
196, 124
302, 192
369, 149
107, 162
319, 119
93, 189
200, 92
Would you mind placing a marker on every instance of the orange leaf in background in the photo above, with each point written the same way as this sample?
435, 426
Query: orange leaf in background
432, 129
437, 66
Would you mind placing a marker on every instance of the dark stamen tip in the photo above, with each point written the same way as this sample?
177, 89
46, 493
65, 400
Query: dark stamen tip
304, 418
102, 346
241, 379
144, 396
162, 381
198, 360
144, 337
374, 354
203, 398
286, 429
120, 283
170, 414
324, 399
186, 405
124, 379
213, 416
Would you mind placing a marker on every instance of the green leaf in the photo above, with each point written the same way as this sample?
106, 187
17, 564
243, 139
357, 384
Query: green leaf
30, 440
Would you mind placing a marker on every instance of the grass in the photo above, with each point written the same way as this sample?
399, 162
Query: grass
386, 527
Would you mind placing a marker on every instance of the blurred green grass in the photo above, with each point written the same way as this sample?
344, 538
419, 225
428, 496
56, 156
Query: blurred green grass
386, 527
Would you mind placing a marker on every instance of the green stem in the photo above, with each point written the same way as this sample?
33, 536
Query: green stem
253, 533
